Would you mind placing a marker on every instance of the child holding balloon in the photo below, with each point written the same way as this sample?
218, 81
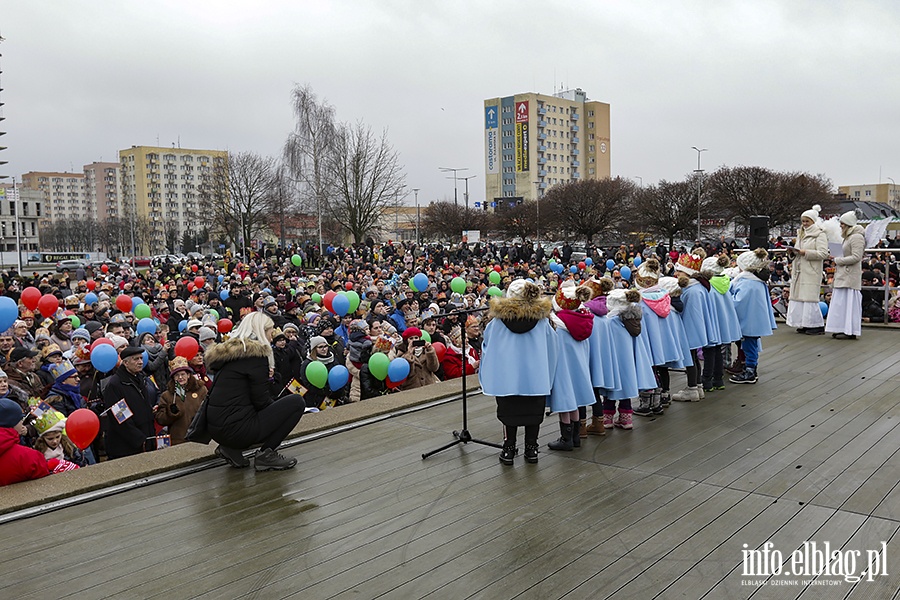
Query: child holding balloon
323, 375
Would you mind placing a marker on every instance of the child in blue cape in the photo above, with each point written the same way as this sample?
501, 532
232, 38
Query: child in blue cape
518, 364
754, 310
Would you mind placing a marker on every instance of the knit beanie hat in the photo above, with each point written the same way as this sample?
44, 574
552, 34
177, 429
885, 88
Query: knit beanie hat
753, 261
316, 340
81, 334
599, 287
714, 265
672, 285
849, 218
617, 300
569, 296
812, 213
10, 413
647, 273
521, 288
358, 325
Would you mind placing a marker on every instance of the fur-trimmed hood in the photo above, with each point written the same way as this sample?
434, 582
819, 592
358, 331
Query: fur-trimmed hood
520, 315
233, 349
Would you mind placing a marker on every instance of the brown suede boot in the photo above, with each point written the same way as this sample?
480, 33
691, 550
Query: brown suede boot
596, 427
582, 429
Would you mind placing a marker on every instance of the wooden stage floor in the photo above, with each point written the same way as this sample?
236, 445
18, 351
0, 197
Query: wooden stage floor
810, 453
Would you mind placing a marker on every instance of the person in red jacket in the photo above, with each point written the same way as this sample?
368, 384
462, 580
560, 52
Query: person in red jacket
17, 462
452, 362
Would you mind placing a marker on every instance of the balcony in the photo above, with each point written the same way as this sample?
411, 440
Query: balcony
542, 185
542, 136
575, 139
542, 110
542, 148
574, 116
542, 161
576, 151
542, 123
576, 175
542, 173
574, 127
575, 163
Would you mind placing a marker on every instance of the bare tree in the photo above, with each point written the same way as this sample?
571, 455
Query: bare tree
238, 199
446, 220
367, 178
668, 209
307, 150
588, 207
282, 199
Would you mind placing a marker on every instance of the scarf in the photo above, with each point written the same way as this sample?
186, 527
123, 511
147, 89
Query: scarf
720, 283
73, 392
458, 350
701, 280
576, 322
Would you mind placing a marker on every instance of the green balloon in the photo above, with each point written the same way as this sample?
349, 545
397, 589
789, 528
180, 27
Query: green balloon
354, 299
76, 322
426, 336
316, 373
458, 285
494, 277
297, 260
317, 298
378, 365
495, 291
141, 311
413, 287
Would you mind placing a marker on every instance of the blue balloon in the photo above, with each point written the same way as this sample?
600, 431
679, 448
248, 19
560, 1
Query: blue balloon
421, 282
398, 370
9, 312
340, 305
146, 325
589, 261
637, 261
529, 280
135, 302
104, 358
338, 377
823, 307
223, 295
610, 263
183, 325
267, 290
90, 298
573, 269
221, 278
145, 357
625, 272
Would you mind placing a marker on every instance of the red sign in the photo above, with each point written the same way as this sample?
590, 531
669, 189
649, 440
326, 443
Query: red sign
522, 112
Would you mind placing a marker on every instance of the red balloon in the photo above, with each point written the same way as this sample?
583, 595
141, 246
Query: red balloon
186, 347
70, 313
348, 286
82, 427
100, 342
390, 384
194, 269
30, 297
123, 303
91, 284
104, 268
48, 305
190, 286
439, 349
327, 298
224, 325
498, 268
199, 282
582, 265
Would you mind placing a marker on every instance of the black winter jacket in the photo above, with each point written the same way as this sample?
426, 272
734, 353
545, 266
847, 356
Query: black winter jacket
131, 436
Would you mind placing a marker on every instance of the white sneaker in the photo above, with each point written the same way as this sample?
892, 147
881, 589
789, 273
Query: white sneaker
688, 394
700, 392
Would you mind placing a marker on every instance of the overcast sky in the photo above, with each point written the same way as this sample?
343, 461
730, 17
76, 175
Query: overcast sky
785, 84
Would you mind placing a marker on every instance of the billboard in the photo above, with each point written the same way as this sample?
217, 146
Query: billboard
491, 139
521, 137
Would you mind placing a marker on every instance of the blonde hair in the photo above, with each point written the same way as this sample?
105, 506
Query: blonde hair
253, 327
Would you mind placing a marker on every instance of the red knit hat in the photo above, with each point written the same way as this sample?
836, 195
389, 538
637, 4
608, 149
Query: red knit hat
411, 331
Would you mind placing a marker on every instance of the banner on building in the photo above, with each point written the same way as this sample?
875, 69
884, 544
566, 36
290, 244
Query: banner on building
491, 139
521, 147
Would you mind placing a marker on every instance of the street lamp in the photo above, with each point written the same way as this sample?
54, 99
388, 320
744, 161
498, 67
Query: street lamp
416, 192
537, 207
641, 180
466, 179
699, 173
454, 171
891, 196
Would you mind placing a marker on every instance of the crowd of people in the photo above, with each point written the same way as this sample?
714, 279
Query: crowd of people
286, 338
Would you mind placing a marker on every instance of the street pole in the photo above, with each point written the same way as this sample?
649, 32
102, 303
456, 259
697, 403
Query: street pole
16, 209
699, 173
466, 179
891, 199
537, 203
454, 171
416, 192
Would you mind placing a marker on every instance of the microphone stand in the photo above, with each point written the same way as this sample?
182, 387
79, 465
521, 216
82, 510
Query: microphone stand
462, 435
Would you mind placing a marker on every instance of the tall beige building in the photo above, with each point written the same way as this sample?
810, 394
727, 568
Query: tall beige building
62, 195
163, 185
102, 189
534, 141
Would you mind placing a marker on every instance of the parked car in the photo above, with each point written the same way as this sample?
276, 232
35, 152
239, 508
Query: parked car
70, 265
138, 261
97, 265
196, 256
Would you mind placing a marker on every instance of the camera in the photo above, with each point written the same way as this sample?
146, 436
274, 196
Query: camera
418, 343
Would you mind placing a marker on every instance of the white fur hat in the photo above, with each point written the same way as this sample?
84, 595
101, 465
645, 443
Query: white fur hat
753, 260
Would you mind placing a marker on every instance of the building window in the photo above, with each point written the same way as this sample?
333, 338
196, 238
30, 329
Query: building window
590, 124
868, 192
590, 113
590, 136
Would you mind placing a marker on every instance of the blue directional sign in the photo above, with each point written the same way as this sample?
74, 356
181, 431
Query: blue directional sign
491, 117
